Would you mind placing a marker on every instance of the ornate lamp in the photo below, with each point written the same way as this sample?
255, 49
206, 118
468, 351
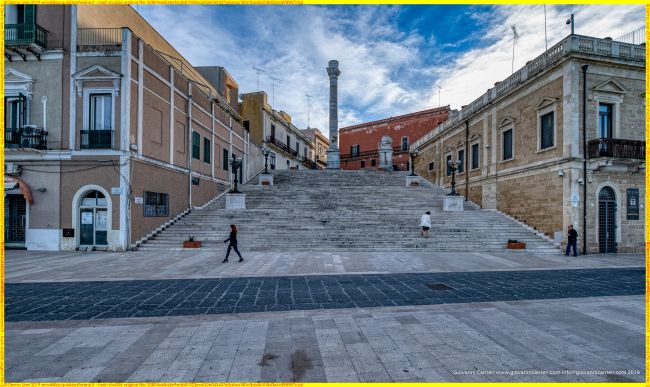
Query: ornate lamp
266, 152
235, 163
453, 165
413, 154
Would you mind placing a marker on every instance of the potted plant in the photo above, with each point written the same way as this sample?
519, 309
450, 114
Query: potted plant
190, 243
514, 244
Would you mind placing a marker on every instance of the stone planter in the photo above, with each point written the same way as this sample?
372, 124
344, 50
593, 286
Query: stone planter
516, 245
191, 244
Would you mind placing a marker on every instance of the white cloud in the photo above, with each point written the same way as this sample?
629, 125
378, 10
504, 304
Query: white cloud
385, 71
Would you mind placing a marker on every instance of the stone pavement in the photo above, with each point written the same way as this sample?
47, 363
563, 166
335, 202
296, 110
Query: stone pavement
511, 336
184, 297
33, 266
550, 340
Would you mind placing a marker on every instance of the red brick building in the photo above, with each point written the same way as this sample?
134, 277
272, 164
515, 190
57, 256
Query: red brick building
359, 144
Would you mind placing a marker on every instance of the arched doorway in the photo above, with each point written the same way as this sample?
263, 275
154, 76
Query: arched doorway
607, 220
93, 220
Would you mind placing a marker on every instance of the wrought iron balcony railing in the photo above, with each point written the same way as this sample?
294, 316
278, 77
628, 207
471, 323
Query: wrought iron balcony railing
27, 138
96, 139
616, 147
24, 35
309, 163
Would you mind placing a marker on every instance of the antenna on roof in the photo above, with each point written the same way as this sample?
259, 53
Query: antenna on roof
515, 38
258, 71
273, 79
308, 107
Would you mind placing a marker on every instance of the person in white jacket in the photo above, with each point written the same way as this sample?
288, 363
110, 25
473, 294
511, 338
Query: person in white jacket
425, 222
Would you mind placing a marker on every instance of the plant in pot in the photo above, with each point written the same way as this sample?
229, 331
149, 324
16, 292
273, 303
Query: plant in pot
514, 244
190, 243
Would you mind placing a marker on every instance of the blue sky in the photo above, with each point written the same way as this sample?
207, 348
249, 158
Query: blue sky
393, 59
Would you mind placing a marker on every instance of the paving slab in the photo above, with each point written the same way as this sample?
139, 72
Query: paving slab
530, 340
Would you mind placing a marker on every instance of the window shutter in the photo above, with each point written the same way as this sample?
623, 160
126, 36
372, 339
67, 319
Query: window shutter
30, 14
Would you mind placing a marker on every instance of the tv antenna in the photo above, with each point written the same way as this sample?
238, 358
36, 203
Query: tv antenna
308, 108
273, 79
258, 71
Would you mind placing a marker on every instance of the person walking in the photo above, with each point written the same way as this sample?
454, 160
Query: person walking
425, 222
233, 243
572, 241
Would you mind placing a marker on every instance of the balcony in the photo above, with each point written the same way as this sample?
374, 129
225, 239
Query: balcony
96, 139
309, 164
616, 148
25, 138
25, 35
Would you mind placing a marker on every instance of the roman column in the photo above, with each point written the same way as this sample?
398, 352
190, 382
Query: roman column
333, 157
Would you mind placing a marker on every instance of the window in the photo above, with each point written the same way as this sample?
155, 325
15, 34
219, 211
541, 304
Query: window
605, 116
475, 156
101, 111
297, 147
461, 158
272, 161
305, 152
373, 162
431, 166
448, 166
354, 150
156, 204
363, 163
196, 145
15, 112
405, 143
507, 144
272, 132
547, 139
225, 159
247, 125
206, 150
288, 142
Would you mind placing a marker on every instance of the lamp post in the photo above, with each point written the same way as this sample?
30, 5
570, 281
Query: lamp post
265, 152
413, 153
453, 165
235, 163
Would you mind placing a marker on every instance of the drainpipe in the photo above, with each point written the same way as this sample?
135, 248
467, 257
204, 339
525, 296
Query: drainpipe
189, 144
466, 159
584, 158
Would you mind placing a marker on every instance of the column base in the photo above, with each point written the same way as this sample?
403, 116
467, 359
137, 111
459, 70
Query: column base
266, 179
413, 181
453, 203
333, 159
235, 201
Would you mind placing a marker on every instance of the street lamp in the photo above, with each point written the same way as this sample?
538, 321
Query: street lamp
454, 165
266, 152
413, 154
235, 163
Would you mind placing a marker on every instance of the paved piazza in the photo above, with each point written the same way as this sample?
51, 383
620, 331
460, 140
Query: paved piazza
339, 316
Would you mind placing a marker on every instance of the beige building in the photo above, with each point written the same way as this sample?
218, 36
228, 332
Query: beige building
521, 144
320, 144
290, 148
110, 131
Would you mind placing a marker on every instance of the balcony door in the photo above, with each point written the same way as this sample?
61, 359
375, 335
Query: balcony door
15, 114
605, 118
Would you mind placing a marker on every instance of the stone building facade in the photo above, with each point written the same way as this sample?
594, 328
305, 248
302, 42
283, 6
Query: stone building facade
521, 145
290, 147
111, 133
320, 144
359, 144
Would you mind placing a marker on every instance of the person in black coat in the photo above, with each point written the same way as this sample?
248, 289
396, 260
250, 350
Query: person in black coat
572, 242
233, 243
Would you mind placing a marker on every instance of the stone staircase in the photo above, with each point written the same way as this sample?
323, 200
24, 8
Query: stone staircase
346, 211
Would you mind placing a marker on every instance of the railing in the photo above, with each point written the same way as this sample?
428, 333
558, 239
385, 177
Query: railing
99, 37
571, 44
96, 139
614, 147
277, 143
396, 150
635, 37
31, 138
25, 34
309, 163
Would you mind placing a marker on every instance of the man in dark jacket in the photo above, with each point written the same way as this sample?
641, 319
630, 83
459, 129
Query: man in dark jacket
572, 242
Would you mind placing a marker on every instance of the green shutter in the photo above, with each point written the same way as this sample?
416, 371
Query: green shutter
30, 14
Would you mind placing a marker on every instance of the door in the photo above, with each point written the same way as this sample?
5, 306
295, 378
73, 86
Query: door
15, 221
607, 220
93, 221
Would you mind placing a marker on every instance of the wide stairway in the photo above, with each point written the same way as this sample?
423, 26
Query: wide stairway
346, 210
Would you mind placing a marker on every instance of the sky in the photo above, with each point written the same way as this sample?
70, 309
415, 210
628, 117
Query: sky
393, 59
